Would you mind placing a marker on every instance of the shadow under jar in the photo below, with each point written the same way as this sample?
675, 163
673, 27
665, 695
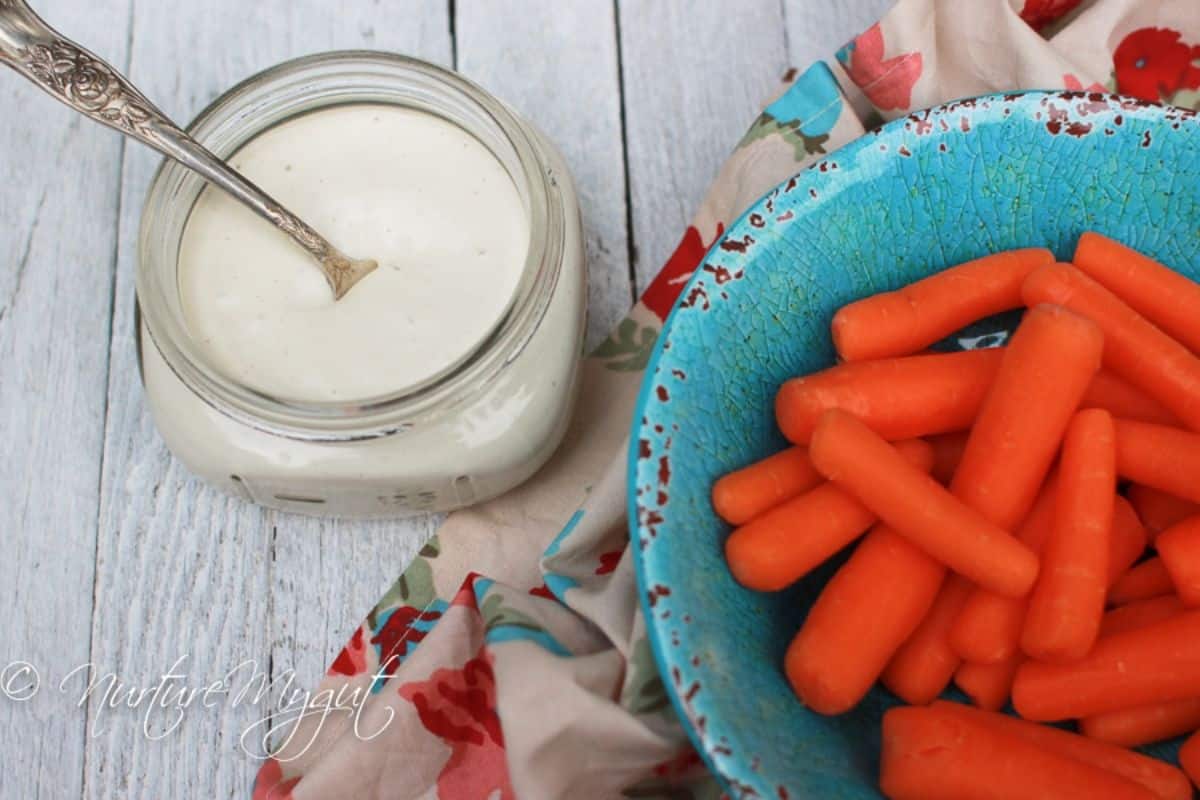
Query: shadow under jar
473, 419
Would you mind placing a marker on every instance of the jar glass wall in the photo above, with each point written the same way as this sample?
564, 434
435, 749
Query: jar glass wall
473, 430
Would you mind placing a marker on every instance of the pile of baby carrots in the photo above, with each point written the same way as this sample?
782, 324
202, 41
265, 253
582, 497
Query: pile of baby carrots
1027, 522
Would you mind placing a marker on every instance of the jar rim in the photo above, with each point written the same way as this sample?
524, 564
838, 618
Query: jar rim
394, 412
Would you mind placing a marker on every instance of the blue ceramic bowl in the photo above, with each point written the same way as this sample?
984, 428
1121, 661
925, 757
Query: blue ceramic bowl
921, 194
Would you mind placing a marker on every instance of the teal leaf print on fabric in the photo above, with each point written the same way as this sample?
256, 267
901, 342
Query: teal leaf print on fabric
628, 347
804, 115
505, 624
559, 584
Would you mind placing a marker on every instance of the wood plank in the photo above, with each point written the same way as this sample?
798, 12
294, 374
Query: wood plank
182, 569
329, 573
59, 206
816, 30
695, 76
556, 64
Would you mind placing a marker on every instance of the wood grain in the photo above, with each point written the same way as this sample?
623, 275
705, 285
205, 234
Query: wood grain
556, 64
694, 76
182, 569
59, 206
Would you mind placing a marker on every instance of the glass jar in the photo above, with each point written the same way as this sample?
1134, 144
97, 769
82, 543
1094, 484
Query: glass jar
463, 436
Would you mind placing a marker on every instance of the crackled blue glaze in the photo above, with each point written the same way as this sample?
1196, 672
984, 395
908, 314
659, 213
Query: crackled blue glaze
923, 193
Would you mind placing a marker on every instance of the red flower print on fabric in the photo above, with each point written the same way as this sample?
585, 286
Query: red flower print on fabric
1040, 13
609, 562
1073, 84
459, 707
270, 785
353, 658
1153, 63
667, 285
399, 635
543, 591
887, 82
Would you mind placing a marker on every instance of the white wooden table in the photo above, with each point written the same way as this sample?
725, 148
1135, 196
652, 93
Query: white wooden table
112, 553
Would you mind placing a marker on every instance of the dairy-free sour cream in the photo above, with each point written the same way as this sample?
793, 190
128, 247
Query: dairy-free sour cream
411, 190
445, 377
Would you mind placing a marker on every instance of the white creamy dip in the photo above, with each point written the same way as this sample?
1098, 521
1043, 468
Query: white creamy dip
407, 188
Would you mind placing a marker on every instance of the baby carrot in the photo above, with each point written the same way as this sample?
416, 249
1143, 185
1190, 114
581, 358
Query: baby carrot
1134, 727
1124, 400
1148, 579
1161, 295
784, 544
1140, 613
938, 754
1067, 603
1003, 465
1133, 347
861, 617
1189, 757
988, 685
947, 452
1127, 542
917, 507
1157, 509
912, 318
742, 495
988, 628
1159, 777
1154, 664
1179, 549
897, 398
925, 662
1166, 459
1046, 368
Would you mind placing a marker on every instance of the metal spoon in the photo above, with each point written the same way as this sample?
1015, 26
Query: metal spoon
93, 88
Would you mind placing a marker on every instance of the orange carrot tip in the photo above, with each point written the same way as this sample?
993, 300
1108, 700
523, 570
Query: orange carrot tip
742, 495
1141, 613
1167, 459
1156, 509
1166, 298
912, 318
988, 685
898, 398
1179, 549
1148, 579
1189, 757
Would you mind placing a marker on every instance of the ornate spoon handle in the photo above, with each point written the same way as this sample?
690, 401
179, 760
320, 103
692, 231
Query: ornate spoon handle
92, 87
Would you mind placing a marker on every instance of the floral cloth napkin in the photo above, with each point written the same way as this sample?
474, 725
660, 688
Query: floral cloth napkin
511, 659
